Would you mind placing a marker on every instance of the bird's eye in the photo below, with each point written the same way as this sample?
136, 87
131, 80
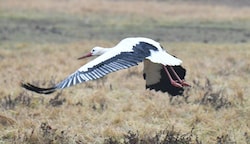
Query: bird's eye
93, 50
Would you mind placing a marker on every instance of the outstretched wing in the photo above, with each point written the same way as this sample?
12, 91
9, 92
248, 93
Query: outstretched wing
110, 61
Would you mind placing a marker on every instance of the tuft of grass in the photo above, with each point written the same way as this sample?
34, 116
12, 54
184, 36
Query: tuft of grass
216, 99
225, 139
57, 100
22, 98
6, 121
168, 136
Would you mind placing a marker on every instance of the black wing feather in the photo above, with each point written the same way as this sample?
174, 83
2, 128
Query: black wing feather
39, 90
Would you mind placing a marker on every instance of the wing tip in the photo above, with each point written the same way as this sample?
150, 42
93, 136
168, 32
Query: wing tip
36, 89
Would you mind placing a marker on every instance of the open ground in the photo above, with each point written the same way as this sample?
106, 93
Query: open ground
40, 41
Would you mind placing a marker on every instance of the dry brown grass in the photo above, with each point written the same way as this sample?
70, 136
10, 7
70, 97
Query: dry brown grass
92, 112
118, 108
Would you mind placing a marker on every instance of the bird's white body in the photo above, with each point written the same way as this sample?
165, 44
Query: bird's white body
127, 53
126, 45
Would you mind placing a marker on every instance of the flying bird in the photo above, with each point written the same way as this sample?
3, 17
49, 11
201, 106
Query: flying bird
162, 71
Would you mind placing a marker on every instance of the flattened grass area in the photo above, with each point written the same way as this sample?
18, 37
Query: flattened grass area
40, 41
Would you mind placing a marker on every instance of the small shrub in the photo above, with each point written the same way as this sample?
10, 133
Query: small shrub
131, 138
50, 135
10, 103
23, 98
57, 100
216, 99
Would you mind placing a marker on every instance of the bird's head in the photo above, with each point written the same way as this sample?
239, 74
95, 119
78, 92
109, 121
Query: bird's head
96, 51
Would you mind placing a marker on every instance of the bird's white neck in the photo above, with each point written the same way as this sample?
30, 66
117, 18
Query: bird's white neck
100, 50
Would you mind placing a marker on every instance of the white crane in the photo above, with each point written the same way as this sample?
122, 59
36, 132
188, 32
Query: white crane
162, 71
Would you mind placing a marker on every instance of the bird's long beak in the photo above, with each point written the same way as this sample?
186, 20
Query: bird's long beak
85, 56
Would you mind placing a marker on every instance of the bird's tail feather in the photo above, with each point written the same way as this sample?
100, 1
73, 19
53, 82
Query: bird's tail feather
39, 90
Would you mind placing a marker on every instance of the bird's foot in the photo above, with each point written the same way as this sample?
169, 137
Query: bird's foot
183, 83
176, 84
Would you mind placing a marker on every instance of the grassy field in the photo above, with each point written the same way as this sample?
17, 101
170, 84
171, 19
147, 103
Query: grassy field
40, 41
